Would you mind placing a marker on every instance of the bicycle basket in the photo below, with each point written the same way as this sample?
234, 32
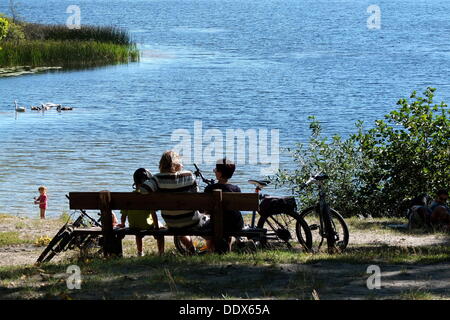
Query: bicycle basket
275, 205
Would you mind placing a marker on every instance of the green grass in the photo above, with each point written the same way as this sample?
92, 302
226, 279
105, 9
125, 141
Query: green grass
388, 255
12, 238
64, 217
4, 216
417, 294
21, 225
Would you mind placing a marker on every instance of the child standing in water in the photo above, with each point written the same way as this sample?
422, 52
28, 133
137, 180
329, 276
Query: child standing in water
42, 201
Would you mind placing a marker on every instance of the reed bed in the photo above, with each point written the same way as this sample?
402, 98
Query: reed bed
65, 53
110, 34
57, 45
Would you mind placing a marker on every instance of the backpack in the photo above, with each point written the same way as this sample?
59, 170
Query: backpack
274, 205
418, 217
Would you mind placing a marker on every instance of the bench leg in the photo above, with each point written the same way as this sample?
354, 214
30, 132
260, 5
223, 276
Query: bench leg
113, 247
221, 245
118, 247
220, 242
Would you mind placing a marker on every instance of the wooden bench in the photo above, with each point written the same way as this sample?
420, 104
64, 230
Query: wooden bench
215, 203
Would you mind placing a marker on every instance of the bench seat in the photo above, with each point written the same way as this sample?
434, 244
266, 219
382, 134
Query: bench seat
166, 232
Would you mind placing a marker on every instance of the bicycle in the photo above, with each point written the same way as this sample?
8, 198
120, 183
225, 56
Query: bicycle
66, 240
331, 225
279, 216
281, 223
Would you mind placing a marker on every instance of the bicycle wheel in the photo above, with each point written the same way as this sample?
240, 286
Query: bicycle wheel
282, 228
58, 244
338, 223
198, 245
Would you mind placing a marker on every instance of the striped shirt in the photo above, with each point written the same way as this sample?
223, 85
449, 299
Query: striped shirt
181, 181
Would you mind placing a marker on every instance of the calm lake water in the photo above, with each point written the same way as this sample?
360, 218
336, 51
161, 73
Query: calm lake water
231, 64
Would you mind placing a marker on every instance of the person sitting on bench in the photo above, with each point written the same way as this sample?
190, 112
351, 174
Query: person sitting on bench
224, 170
172, 178
141, 219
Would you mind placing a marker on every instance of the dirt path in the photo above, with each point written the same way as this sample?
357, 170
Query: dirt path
350, 281
402, 239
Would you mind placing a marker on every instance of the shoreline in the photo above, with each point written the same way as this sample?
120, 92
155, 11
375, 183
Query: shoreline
22, 70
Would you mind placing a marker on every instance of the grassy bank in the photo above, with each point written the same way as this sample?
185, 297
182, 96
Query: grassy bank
37, 45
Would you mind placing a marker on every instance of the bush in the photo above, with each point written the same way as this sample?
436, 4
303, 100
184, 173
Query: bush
410, 150
373, 172
340, 159
15, 33
4, 26
42, 241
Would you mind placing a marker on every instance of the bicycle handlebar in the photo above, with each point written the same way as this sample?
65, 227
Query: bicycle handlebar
198, 173
315, 179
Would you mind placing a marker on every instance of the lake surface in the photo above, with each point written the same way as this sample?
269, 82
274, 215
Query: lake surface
231, 64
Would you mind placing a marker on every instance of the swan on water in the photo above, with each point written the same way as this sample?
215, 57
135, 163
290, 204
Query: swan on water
19, 109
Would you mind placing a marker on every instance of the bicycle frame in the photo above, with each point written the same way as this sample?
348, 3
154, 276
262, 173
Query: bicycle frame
323, 209
258, 191
84, 214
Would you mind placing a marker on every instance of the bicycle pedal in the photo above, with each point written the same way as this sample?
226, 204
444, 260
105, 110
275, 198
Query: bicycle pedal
314, 227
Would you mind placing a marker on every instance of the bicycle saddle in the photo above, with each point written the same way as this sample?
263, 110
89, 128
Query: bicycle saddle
259, 183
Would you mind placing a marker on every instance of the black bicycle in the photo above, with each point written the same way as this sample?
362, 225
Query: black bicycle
324, 222
65, 239
278, 215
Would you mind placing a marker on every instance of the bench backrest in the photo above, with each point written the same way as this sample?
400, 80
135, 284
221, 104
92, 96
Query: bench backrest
165, 201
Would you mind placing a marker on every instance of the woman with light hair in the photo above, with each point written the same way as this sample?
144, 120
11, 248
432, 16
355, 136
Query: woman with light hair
172, 178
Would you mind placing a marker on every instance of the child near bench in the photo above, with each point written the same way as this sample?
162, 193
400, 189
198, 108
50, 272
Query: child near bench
141, 219
42, 201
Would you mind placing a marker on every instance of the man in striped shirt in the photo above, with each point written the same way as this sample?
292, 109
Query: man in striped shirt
172, 178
